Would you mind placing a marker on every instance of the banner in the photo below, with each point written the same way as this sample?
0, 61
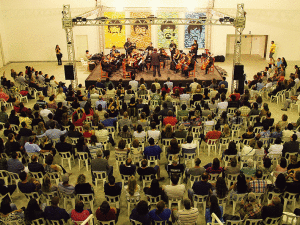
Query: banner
114, 34
140, 34
194, 32
167, 32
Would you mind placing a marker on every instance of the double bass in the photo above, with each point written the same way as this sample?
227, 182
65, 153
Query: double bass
206, 62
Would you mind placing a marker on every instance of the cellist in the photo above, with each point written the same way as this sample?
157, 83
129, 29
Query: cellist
189, 65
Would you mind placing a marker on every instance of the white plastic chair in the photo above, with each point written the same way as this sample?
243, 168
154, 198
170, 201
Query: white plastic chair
14, 178
111, 222
99, 176
200, 199
134, 222
253, 221
193, 179
146, 180
66, 156
237, 198
49, 195
33, 195
189, 158
153, 200
132, 200
39, 221
269, 220
289, 197
38, 176
210, 144
231, 179
83, 157
223, 142
227, 159
87, 199
4, 175
173, 200
213, 177
68, 198
113, 200
54, 176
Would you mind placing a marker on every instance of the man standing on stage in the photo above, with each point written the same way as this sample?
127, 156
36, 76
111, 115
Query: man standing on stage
155, 62
128, 47
272, 51
172, 48
194, 50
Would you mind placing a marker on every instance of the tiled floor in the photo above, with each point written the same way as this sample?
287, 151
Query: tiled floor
252, 64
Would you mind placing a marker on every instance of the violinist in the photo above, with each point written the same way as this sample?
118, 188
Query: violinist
130, 62
188, 65
163, 56
150, 47
106, 66
194, 49
172, 48
210, 63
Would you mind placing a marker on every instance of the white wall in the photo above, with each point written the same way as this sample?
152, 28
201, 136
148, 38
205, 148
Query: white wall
30, 29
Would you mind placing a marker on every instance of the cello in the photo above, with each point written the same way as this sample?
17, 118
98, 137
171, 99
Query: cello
206, 62
179, 65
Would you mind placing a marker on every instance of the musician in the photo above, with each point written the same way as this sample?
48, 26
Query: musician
194, 49
211, 61
114, 51
106, 66
189, 65
155, 61
150, 47
172, 48
128, 46
164, 56
130, 65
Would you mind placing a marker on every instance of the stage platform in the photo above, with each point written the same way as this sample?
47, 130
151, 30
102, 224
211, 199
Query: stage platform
176, 78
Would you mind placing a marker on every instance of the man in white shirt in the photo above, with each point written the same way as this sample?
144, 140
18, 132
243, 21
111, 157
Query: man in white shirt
157, 85
223, 104
169, 83
41, 78
88, 55
101, 102
153, 133
134, 84
45, 112
189, 147
286, 104
276, 148
296, 78
188, 215
286, 134
194, 85
174, 190
269, 83
209, 122
31, 147
184, 97
21, 79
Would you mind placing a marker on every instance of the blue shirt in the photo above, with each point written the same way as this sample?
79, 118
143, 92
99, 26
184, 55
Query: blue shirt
144, 219
201, 188
154, 150
31, 148
259, 86
109, 122
208, 217
15, 166
224, 82
52, 133
165, 215
55, 213
27, 187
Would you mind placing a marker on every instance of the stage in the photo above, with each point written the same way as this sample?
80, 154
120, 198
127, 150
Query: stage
176, 78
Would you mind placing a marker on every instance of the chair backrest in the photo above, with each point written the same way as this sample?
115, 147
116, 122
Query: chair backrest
200, 198
213, 177
234, 222
32, 195
195, 178
74, 141
153, 200
39, 221
189, 156
269, 220
99, 174
112, 199
212, 141
290, 196
165, 222
50, 195
86, 198
253, 221
65, 155
134, 222
111, 222
56, 222
258, 129
82, 155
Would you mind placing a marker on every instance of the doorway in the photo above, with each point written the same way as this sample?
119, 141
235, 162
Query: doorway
251, 44
81, 44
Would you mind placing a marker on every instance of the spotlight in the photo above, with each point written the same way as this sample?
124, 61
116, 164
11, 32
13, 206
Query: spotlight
231, 20
74, 20
79, 18
84, 19
226, 18
221, 20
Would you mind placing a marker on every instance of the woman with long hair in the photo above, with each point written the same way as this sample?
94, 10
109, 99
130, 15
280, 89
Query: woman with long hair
47, 186
75, 104
282, 166
139, 133
82, 147
52, 103
223, 119
65, 120
140, 213
9, 211
132, 189
280, 183
221, 188
33, 211
100, 112
161, 213
106, 213
82, 187
58, 54
214, 208
154, 189
174, 147
167, 132
88, 108
41, 128
231, 149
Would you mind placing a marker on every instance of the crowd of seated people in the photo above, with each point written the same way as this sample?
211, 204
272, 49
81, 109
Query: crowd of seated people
143, 127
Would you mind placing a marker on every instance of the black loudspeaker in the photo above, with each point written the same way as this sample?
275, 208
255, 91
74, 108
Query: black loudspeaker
220, 58
241, 83
69, 72
238, 72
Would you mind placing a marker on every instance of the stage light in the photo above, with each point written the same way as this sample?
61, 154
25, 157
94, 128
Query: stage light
231, 20
226, 18
84, 19
221, 20
74, 20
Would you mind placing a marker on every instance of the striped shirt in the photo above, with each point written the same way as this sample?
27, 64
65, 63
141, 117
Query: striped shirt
189, 216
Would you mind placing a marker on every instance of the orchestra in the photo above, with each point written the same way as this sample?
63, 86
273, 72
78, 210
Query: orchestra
139, 60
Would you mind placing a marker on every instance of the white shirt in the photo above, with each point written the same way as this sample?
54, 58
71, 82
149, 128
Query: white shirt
155, 134
60, 97
170, 84
45, 112
139, 135
134, 85
185, 97
157, 85
176, 191
222, 105
247, 151
268, 85
275, 149
209, 123
286, 134
296, 80
52, 83
193, 86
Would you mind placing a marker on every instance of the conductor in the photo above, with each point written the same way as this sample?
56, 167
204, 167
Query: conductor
155, 62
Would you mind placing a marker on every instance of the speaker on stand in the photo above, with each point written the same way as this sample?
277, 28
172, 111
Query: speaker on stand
239, 77
69, 72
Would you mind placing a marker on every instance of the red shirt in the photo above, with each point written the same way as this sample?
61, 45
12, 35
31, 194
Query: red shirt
6, 97
213, 135
111, 215
237, 95
87, 134
179, 88
170, 120
76, 216
79, 122
166, 90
